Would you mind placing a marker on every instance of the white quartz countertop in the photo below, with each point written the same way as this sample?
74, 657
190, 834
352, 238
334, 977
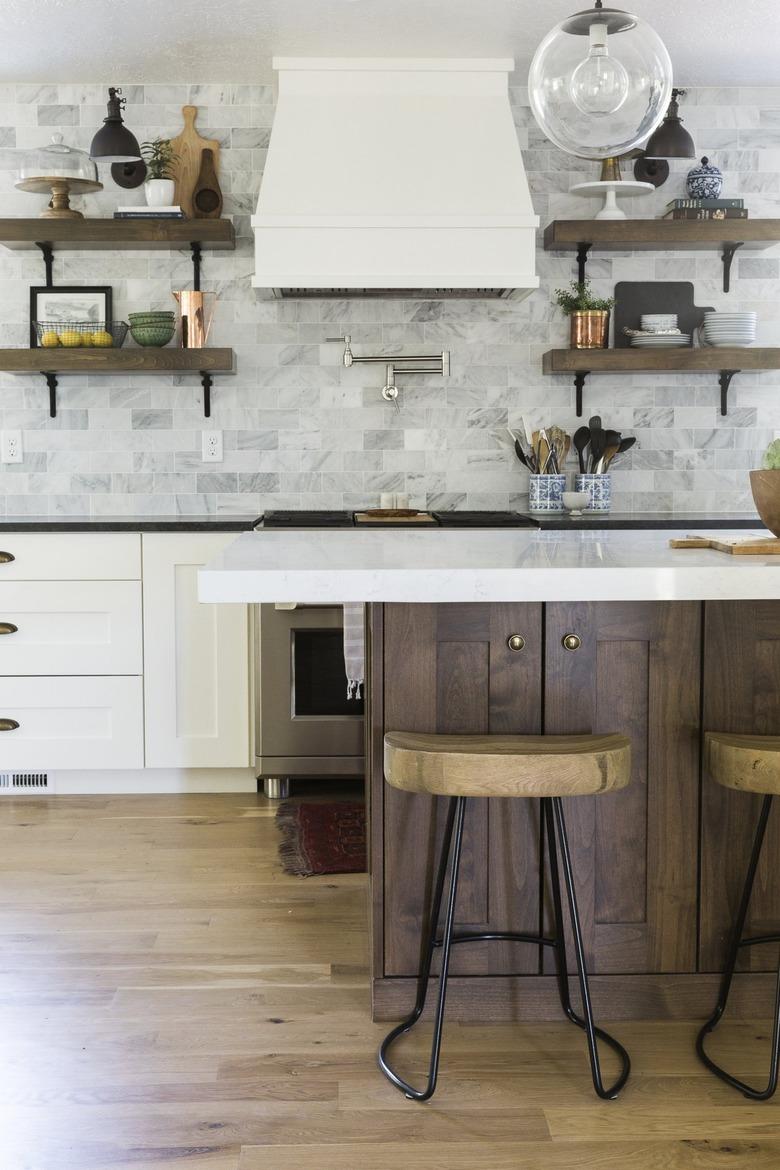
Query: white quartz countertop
336, 565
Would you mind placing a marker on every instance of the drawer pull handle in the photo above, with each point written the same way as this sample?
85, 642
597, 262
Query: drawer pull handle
515, 641
6, 558
8, 628
8, 725
571, 641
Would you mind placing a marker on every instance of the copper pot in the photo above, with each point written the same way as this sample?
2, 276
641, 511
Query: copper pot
589, 328
765, 486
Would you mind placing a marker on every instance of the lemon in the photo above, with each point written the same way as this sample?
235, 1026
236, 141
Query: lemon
102, 338
49, 338
71, 337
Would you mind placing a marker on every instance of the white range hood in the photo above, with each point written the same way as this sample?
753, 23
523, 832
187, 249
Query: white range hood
394, 177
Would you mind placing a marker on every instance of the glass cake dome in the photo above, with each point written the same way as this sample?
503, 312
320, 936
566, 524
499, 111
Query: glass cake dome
57, 170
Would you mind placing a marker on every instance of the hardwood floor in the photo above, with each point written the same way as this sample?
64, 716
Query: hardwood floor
169, 998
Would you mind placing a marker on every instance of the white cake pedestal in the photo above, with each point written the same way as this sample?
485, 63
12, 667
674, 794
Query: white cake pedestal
611, 190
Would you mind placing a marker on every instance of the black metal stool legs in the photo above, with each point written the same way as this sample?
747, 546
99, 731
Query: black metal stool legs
552, 812
553, 820
455, 816
737, 941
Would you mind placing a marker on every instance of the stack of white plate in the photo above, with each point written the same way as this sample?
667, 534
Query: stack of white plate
660, 340
726, 329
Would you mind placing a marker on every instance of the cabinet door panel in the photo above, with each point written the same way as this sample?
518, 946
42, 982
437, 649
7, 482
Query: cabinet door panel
448, 669
196, 660
741, 695
635, 851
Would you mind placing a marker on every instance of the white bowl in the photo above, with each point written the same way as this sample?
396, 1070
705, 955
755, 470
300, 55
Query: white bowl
575, 502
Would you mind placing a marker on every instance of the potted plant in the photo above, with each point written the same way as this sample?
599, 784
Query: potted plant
765, 485
589, 315
159, 186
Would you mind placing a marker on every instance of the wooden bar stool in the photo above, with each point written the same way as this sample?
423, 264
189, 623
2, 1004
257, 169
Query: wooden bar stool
747, 763
548, 767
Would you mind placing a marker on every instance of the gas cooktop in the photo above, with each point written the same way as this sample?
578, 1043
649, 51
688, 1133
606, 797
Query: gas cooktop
323, 519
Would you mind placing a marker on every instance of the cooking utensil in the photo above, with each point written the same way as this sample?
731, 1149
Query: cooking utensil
187, 149
624, 445
597, 441
581, 441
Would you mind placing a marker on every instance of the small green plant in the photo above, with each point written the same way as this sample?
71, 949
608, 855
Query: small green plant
578, 297
159, 157
771, 460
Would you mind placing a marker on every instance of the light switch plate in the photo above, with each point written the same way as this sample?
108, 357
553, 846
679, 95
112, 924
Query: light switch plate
11, 447
211, 446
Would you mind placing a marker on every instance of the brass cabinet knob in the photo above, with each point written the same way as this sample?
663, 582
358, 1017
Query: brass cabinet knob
6, 557
8, 725
571, 641
8, 628
515, 641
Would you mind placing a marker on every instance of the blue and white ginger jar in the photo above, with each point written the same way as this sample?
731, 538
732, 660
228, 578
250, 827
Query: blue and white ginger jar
705, 182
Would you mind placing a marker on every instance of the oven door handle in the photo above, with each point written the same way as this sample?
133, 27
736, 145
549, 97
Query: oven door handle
285, 605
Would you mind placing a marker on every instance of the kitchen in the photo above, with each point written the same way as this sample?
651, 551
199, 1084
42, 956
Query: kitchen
186, 525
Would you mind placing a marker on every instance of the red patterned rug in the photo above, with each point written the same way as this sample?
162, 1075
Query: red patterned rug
320, 837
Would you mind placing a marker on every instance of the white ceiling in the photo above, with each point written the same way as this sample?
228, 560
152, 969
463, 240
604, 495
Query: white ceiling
711, 42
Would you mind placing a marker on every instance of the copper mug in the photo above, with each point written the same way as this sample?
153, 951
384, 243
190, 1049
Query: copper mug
197, 313
589, 328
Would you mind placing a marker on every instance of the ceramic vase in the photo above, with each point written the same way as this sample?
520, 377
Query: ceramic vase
598, 487
545, 493
159, 192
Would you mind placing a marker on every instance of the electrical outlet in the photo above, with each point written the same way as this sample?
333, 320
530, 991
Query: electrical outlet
11, 447
211, 446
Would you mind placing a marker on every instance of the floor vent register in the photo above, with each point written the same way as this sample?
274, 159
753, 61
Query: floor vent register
15, 782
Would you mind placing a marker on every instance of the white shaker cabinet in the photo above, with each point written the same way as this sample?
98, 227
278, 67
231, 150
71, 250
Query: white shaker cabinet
196, 659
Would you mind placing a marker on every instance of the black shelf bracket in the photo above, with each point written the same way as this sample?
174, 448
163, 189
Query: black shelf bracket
725, 383
727, 256
51, 382
582, 259
48, 260
195, 248
579, 385
207, 382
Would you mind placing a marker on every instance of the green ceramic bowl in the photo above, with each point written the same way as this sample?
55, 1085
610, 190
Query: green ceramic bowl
159, 334
151, 318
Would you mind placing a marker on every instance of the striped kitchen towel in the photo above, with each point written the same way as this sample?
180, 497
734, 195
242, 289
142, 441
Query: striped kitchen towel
354, 647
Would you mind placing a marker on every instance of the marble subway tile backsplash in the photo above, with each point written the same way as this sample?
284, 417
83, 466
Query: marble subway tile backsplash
299, 430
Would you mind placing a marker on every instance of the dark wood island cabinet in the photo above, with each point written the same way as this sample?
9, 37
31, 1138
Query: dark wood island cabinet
659, 865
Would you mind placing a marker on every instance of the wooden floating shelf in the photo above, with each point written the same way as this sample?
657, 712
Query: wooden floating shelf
144, 360
638, 235
725, 362
102, 234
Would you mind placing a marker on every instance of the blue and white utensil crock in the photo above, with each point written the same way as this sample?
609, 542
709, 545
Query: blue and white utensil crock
545, 493
705, 181
599, 487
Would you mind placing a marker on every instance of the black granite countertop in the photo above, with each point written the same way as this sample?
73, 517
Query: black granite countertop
128, 523
555, 522
636, 521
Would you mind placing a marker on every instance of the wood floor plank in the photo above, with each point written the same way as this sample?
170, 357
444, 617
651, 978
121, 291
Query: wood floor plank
170, 998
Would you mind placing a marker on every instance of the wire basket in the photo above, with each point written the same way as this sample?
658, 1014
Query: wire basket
78, 334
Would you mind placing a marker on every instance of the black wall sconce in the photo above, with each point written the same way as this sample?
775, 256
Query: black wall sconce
670, 140
113, 142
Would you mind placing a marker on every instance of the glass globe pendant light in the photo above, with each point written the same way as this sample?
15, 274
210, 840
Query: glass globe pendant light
600, 82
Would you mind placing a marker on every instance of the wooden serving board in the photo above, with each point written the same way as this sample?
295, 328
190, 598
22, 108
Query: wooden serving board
188, 147
753, 546
375, 518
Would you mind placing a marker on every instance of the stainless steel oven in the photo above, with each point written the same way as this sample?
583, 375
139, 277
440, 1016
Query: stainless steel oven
305, 723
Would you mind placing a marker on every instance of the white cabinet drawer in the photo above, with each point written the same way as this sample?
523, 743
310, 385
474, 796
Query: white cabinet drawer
70, 556
71, 723
70, 627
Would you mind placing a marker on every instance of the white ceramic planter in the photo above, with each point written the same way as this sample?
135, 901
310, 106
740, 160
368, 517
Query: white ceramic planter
159, 192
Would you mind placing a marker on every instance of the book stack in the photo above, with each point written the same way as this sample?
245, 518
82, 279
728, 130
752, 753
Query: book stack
706, 209
139, 211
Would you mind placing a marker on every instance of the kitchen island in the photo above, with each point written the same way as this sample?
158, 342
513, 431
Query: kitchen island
468, 632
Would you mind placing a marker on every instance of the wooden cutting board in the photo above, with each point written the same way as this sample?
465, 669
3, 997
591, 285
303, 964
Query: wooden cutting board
420, 518
753, 546
188, 147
